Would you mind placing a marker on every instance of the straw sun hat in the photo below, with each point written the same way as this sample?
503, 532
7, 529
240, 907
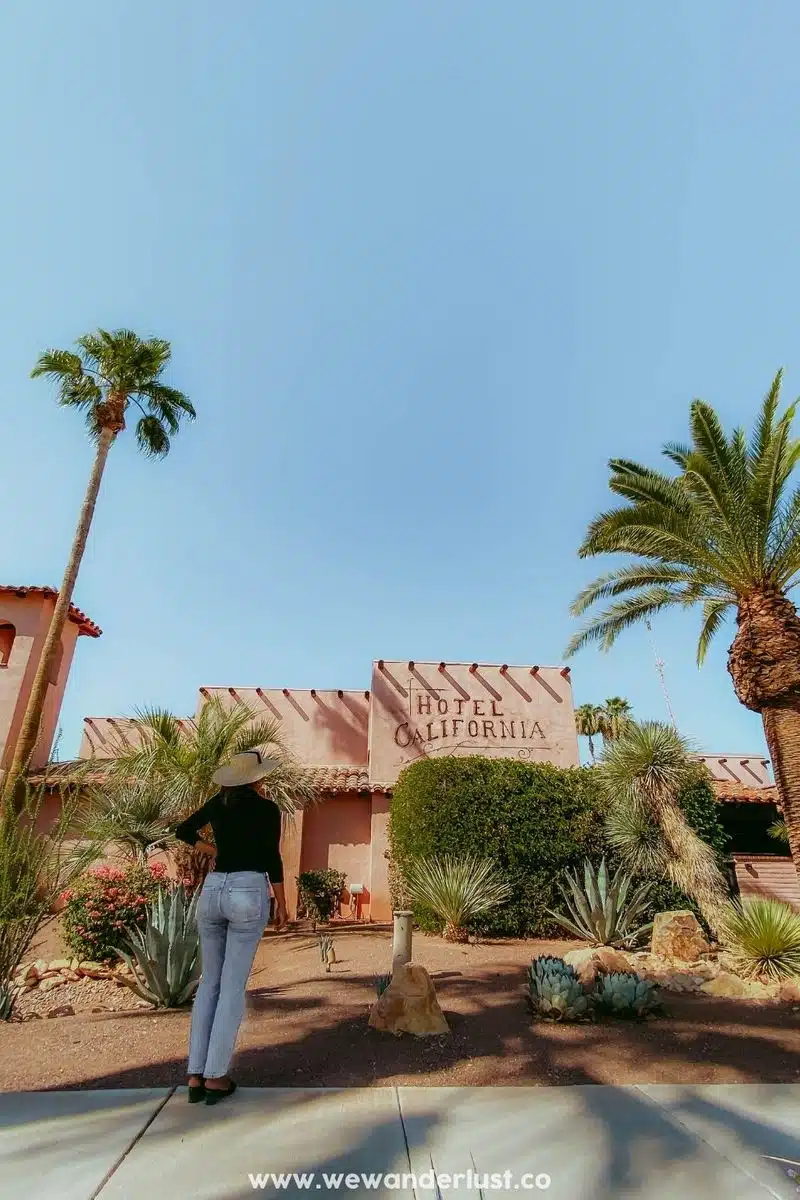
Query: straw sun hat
244, 768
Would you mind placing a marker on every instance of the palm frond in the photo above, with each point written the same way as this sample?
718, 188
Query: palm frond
606, 626
715, 609
152, 437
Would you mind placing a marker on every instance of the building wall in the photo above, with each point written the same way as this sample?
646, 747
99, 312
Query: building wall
425, 710
31, 615
336, 834
322, 728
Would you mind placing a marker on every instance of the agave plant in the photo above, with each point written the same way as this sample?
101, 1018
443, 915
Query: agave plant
381, 983
457, 889
602, 911
8, 994
763, 935
626, 994
165, 956
555, 992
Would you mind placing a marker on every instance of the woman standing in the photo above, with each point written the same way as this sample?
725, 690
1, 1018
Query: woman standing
232, 913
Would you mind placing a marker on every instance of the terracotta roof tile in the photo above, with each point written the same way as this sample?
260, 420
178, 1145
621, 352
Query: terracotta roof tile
743, 793
85, 625
345, 779
329, 780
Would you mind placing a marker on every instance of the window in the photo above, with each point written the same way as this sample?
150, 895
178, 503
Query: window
7, 635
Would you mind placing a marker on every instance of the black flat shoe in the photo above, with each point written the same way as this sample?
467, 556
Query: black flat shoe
197, 1094
214, 1095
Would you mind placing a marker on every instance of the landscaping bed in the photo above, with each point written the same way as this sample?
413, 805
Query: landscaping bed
308, 1028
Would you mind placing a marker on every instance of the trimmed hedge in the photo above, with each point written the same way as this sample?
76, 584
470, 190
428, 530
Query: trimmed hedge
534, 819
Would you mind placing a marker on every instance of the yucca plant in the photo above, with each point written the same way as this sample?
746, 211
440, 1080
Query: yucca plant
381, 983
555, 992
165, 956
626, 994
604, 911
763, 935
457, 889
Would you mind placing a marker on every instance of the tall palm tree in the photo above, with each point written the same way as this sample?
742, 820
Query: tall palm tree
587, 723
182, 757
642, 774
615, 715
107, 374
723, 533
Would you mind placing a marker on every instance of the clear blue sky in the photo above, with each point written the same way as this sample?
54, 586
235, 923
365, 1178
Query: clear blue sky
425, 265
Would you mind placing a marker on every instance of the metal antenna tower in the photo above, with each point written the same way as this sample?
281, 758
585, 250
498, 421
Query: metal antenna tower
660, 668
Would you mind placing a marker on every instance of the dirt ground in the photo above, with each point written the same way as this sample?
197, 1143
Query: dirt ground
306, 1028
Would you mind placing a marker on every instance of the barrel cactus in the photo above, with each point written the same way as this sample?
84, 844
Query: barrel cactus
555, 992
626, 994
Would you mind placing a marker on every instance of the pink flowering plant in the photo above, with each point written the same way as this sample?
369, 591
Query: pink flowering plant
104, 904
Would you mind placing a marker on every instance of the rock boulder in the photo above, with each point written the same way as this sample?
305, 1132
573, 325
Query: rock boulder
409, 1004
592, 961
678, 937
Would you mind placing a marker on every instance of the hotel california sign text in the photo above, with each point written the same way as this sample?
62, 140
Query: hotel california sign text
421, 710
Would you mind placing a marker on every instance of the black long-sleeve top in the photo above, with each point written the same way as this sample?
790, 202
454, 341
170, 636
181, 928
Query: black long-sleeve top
247, 831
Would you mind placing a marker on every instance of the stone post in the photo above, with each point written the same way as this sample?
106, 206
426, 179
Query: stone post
401, 941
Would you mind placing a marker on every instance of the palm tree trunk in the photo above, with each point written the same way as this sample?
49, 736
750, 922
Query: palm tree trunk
591, 747
14, 787
782, 729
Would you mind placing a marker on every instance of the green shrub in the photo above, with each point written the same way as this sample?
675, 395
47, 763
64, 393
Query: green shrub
533, 820
319, 892
104, 904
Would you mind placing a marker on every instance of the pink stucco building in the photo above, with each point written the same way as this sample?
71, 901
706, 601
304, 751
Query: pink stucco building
357, 741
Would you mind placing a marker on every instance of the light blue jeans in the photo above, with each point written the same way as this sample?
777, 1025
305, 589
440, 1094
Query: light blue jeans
231, 916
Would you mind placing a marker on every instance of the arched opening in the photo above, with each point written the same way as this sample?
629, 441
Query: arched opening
55, 665
7, 635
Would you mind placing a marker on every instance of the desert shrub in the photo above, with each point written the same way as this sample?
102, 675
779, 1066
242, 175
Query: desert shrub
104, 905
764, 937
36, 864
532, 820
319, 892
457, 890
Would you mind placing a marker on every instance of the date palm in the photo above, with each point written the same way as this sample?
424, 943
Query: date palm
106, 375
588, 723
723, 533
181, 758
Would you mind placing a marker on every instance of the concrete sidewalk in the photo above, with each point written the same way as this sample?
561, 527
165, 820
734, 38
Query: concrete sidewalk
736, 1142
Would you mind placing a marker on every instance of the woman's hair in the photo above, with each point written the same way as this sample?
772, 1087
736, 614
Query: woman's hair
231, 796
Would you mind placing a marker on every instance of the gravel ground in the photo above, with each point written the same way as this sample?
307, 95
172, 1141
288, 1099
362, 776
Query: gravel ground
307, 1028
